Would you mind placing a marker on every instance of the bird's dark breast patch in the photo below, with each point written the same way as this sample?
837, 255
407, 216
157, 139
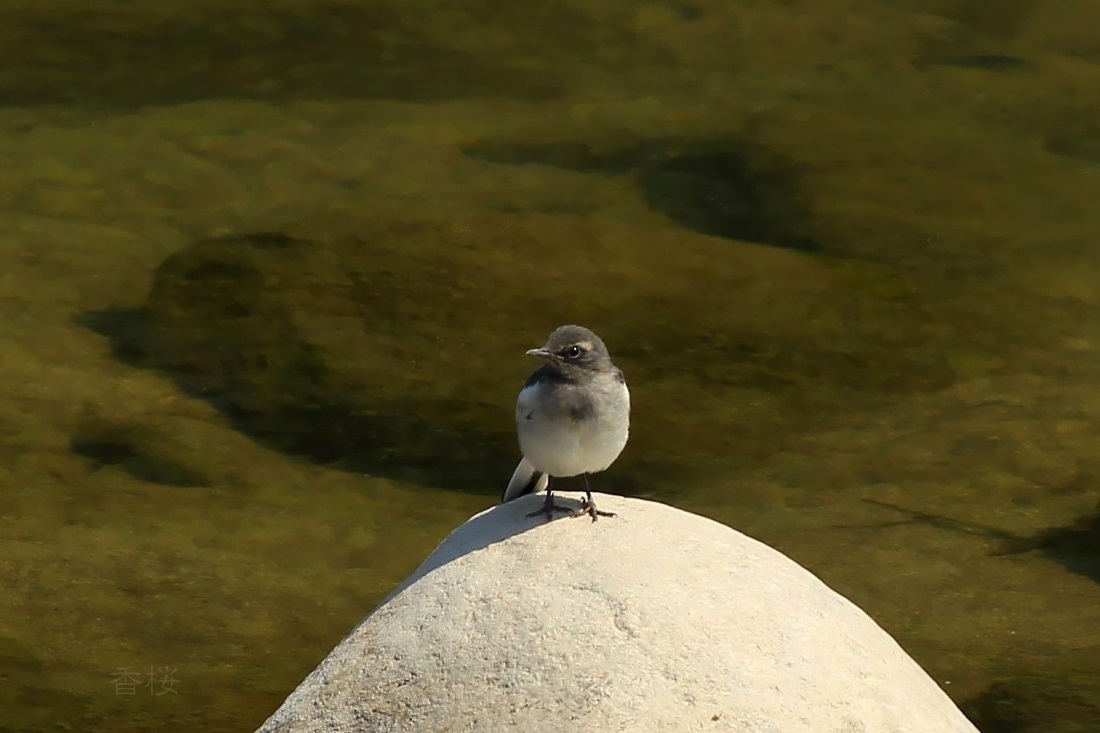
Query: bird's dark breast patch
582, 409
549, 374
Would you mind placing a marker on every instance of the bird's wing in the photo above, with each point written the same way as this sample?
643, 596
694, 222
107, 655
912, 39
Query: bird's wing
525, 402
525, 480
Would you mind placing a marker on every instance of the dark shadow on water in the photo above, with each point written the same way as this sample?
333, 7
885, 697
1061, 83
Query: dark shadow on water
728, 193
138, 451
724, 188
223, 321
420, 439
1075, 133
1036, 703
1076, 546
1055, 695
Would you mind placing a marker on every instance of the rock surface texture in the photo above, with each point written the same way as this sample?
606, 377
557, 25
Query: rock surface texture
656, 620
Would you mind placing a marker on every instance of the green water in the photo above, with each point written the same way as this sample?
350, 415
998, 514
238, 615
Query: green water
268, 273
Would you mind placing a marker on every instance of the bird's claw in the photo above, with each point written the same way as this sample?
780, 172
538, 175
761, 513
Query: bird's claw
548, 508
589, 508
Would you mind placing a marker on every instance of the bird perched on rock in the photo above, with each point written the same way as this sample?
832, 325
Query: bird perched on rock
572, 418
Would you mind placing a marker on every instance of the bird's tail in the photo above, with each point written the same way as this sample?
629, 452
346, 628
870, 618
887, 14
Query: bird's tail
525, 480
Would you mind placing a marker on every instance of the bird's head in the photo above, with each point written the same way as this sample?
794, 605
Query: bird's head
574, 347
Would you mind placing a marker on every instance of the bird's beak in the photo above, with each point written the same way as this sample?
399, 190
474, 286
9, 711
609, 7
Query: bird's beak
541, 353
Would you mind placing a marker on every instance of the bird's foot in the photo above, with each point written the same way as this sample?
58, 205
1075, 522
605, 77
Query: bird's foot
589, 507
549, 507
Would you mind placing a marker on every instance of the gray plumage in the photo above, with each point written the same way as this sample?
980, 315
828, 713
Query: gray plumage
572, 414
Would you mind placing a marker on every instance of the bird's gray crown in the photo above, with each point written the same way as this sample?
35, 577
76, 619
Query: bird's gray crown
575, 348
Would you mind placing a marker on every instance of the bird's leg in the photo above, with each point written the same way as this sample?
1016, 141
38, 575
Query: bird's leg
548, 506
588, 506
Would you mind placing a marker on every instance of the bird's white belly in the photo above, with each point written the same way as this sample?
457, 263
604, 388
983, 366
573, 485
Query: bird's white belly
571, 450
565, 447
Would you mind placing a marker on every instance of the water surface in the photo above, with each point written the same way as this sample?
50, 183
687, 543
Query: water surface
269, 273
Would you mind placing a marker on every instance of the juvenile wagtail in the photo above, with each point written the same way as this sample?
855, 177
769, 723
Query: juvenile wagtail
572, 417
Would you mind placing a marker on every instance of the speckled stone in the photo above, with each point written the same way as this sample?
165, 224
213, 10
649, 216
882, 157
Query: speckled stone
656, 620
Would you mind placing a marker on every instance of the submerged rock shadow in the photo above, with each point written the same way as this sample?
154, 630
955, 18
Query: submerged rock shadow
304, 354
222, 321
421, 440
724, 188
1061, 701
1075, 546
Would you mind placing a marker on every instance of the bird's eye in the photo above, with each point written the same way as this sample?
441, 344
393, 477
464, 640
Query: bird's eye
573, 352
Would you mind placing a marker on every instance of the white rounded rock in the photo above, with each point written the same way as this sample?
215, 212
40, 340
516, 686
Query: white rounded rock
655, 620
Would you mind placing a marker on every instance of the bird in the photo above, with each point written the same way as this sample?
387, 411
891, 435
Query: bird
572, 419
